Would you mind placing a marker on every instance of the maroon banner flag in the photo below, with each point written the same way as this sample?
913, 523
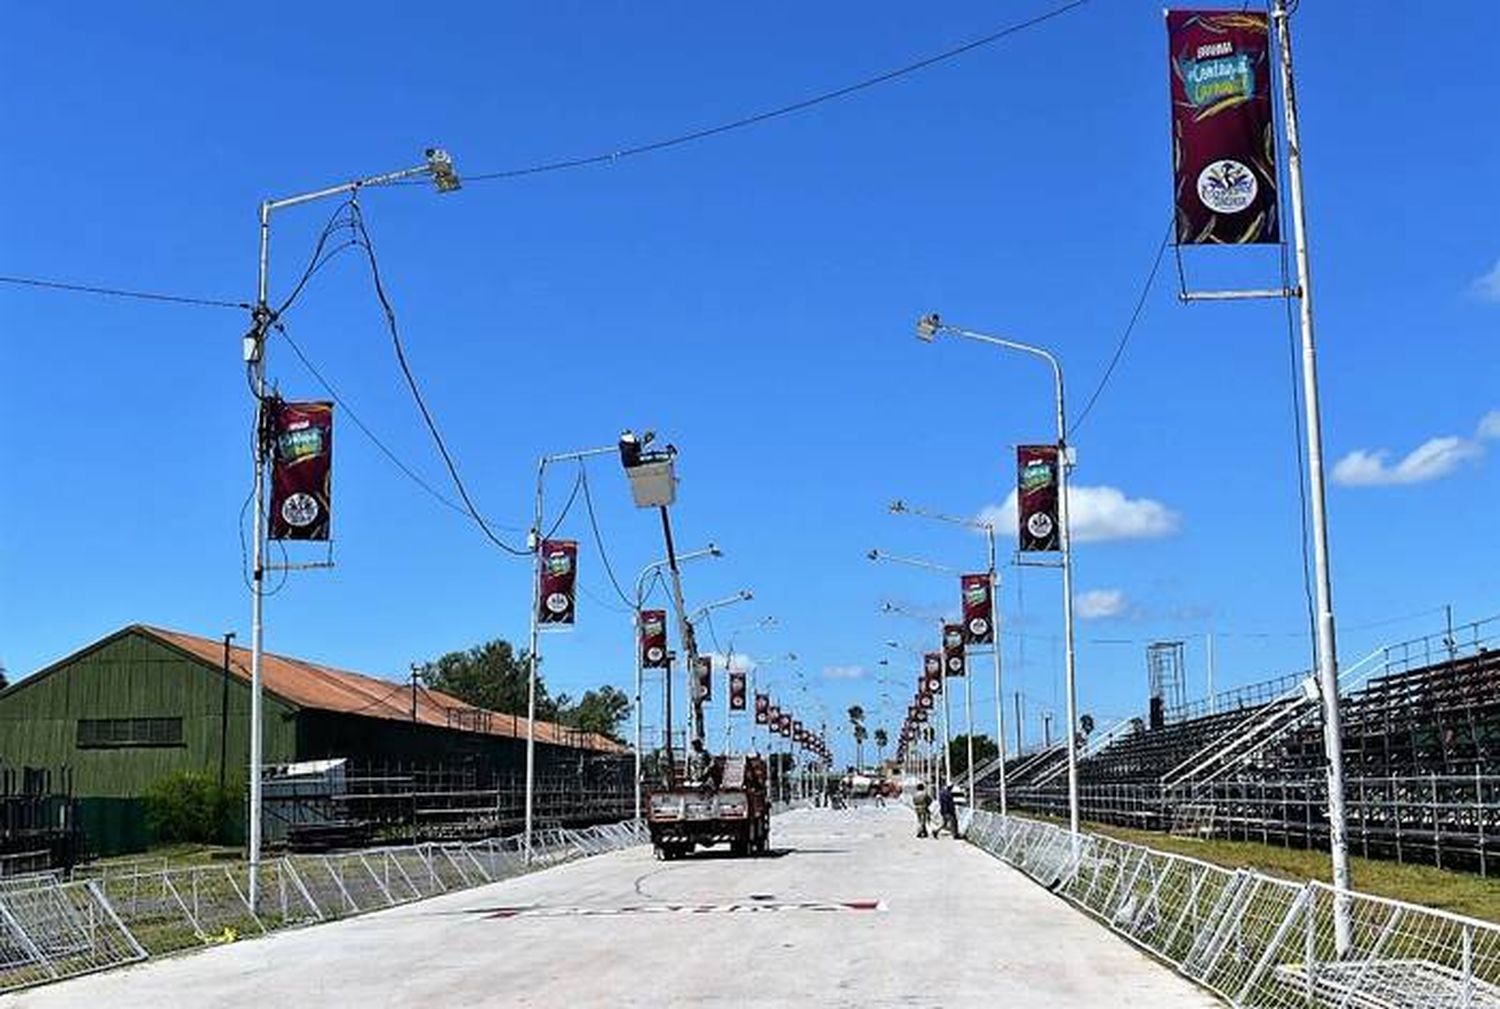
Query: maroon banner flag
932, 673
736, 691
975, 592
1036, 498
557, 578
703, 689
762, 709
301, 470
1223, 137
654, 639
953, 650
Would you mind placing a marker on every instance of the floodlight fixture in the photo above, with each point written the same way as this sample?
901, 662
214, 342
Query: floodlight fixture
928, 327
440, 166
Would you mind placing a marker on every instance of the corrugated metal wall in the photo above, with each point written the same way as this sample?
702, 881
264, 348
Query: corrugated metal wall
132, 676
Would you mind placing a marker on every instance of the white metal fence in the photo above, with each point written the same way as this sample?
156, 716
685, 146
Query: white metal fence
1254, 940
51, 930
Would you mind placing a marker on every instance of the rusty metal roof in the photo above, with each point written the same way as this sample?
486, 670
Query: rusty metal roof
312, 685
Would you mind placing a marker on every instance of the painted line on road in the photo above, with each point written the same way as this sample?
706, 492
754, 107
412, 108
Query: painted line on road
755, 907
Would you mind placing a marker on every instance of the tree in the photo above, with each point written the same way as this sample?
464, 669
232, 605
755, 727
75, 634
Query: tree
492, 675
857, 719
4, 677
881, 740
599, 711
958, 753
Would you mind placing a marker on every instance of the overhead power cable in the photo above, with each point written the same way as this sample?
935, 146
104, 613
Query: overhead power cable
385, 450
1135, 316
416, 391
765, 115
120, 292
588, 500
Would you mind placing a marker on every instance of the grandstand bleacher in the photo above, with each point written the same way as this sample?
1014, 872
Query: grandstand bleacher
1421, 761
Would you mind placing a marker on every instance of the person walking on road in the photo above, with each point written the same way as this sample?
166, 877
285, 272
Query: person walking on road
948, 810
921, 802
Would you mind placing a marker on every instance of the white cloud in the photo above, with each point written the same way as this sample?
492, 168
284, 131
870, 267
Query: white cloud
1100, 604
1097, 514
1431, 460
738, 662
1488, 286
843, 672
1489, 426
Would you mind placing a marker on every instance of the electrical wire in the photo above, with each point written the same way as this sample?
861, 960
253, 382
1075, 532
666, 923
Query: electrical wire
318, 259
411, 382
120, 292
756, 118
1135, 316
588, 500
567, 507
375, 440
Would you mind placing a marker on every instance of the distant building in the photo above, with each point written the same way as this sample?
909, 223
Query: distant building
145, 703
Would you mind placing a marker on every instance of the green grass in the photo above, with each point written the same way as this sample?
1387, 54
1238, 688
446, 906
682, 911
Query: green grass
1459, 892
175, 855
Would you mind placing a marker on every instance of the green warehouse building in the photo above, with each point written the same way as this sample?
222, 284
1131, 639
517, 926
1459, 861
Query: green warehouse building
145, 703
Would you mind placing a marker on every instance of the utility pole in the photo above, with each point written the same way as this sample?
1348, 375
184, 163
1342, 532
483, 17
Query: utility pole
1019, 744
224, 714
439, 167
1328, 667
414, 668
1213, 703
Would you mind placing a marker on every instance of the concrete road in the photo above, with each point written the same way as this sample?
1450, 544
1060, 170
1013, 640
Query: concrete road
851, 910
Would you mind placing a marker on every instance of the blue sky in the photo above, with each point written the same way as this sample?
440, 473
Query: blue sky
751, 297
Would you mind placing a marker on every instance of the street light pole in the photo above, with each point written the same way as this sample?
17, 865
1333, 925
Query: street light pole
711, 550
438, 166
902, 508
1328, 668
533, 658
928, 329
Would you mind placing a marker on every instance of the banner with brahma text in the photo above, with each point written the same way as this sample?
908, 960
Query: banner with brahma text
1223, 132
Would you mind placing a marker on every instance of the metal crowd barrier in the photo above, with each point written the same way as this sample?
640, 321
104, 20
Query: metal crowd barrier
51, 930
1254, 940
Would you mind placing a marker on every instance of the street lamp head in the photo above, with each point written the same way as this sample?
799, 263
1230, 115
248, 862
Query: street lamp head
440, 165
714, 551
874, 555
746, 594
897, 507
928, 327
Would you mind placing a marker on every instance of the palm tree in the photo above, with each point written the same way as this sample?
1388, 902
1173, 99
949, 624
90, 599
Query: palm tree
857, 719
881, 739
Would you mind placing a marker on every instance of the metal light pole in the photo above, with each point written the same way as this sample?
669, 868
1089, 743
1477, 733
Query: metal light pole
902, 508
1328, 667
534, 539
928, 329
699, 722
438, 166
711, 550
881, 555
761, 624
